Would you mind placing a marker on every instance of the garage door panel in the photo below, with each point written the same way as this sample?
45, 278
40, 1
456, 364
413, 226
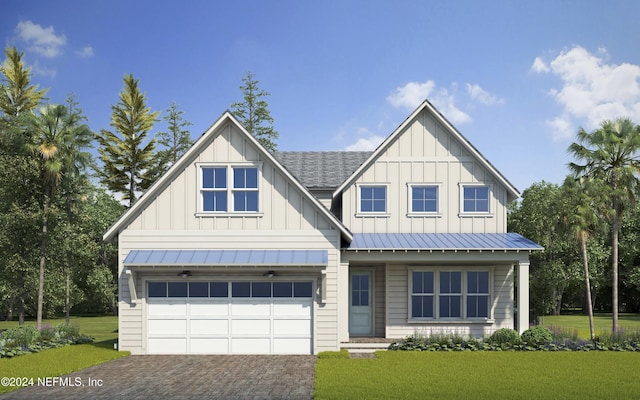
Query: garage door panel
167, 309
167, 327
292, 309
208, 327
209, 345
291, 346
250, 327
168, 346
251, 346
209, 309
240, 309
291, 327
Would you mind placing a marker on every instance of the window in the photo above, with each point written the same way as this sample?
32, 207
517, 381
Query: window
373, 199
214, 189
360, 290
424, 199
245, 189
229, 189
199, 289
477, 294
422, 295
449, 294
475, 199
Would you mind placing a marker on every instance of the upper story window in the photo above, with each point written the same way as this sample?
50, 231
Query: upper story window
373, 199
423, 198
475, 199
229, 189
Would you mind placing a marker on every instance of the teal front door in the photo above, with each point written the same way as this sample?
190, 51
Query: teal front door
360, 308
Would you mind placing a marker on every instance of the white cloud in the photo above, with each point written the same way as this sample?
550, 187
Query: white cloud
86, 52
413, 93
593, 90
365, 144
41, 40
539, 65
561, 127
479, 94
43, 70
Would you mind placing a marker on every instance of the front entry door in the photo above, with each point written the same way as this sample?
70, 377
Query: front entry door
360, 310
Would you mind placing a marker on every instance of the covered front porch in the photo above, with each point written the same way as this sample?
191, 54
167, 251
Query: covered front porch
464, 285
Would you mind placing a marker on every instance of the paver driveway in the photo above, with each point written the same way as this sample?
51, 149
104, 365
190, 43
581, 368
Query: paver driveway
187, 377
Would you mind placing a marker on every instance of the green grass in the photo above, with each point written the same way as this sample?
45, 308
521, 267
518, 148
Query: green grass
480, 375
64, 360
602, 322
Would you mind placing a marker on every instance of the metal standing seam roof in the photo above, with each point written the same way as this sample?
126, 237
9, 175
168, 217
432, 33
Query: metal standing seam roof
441, 241
226, 257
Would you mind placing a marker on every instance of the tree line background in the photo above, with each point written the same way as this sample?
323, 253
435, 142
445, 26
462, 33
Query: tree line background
57, 199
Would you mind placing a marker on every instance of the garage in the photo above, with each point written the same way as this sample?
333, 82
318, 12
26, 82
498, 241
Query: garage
229, 317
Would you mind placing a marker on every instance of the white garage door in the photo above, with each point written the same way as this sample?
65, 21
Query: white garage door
229, 317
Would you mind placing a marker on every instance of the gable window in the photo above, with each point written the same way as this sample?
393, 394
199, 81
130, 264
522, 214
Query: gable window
229, 189
475, 199
214, 189
423, 199
245, 189
373, 199
443, 294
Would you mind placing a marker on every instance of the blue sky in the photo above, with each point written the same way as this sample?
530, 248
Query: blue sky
517, 78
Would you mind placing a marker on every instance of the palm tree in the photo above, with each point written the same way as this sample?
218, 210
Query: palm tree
610, 155
55, 141
580, 216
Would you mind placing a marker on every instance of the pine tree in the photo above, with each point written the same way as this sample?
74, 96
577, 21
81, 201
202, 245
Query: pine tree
128, 162
254, 113
176, 141
17, 94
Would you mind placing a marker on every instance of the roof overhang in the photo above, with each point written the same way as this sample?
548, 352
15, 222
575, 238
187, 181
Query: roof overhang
442, 242
226, 258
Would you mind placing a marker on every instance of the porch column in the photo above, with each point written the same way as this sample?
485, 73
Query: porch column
523, 295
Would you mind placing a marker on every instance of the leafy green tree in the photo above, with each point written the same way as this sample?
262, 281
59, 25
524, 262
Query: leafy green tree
18, 95
128, 162
610, 154
537, 216
176, 141
253, 112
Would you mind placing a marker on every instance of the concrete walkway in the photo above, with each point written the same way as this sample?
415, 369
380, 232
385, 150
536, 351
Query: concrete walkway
184, 377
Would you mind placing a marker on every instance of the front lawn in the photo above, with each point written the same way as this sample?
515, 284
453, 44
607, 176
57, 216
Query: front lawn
480, 375
64, 360
601, 321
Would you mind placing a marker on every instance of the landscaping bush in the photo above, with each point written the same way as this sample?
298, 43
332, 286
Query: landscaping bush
537, 336
27, 339
504, 336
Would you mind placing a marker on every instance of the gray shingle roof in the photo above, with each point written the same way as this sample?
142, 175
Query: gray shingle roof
322, 169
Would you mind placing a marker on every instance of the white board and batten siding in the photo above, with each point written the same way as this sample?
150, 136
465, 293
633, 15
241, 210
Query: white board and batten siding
426, 153
398, 297
287, 220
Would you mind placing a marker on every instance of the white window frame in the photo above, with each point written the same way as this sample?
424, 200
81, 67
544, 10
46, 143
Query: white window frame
464, 213
229, 190
410, 212
436, 295
361, 213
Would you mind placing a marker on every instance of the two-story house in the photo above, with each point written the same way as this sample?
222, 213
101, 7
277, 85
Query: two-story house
238, 250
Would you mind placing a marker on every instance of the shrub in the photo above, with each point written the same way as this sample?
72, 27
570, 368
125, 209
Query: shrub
21, 336
49, 334
537, 335
504, 336
69, 332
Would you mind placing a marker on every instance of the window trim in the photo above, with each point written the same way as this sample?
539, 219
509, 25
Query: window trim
464, 213
433, 214
360, 213
436, 295
230, 189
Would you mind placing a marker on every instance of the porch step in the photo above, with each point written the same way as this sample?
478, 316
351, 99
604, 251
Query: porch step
364, 347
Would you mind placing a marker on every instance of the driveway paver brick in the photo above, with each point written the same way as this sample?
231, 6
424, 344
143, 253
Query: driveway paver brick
188, 377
